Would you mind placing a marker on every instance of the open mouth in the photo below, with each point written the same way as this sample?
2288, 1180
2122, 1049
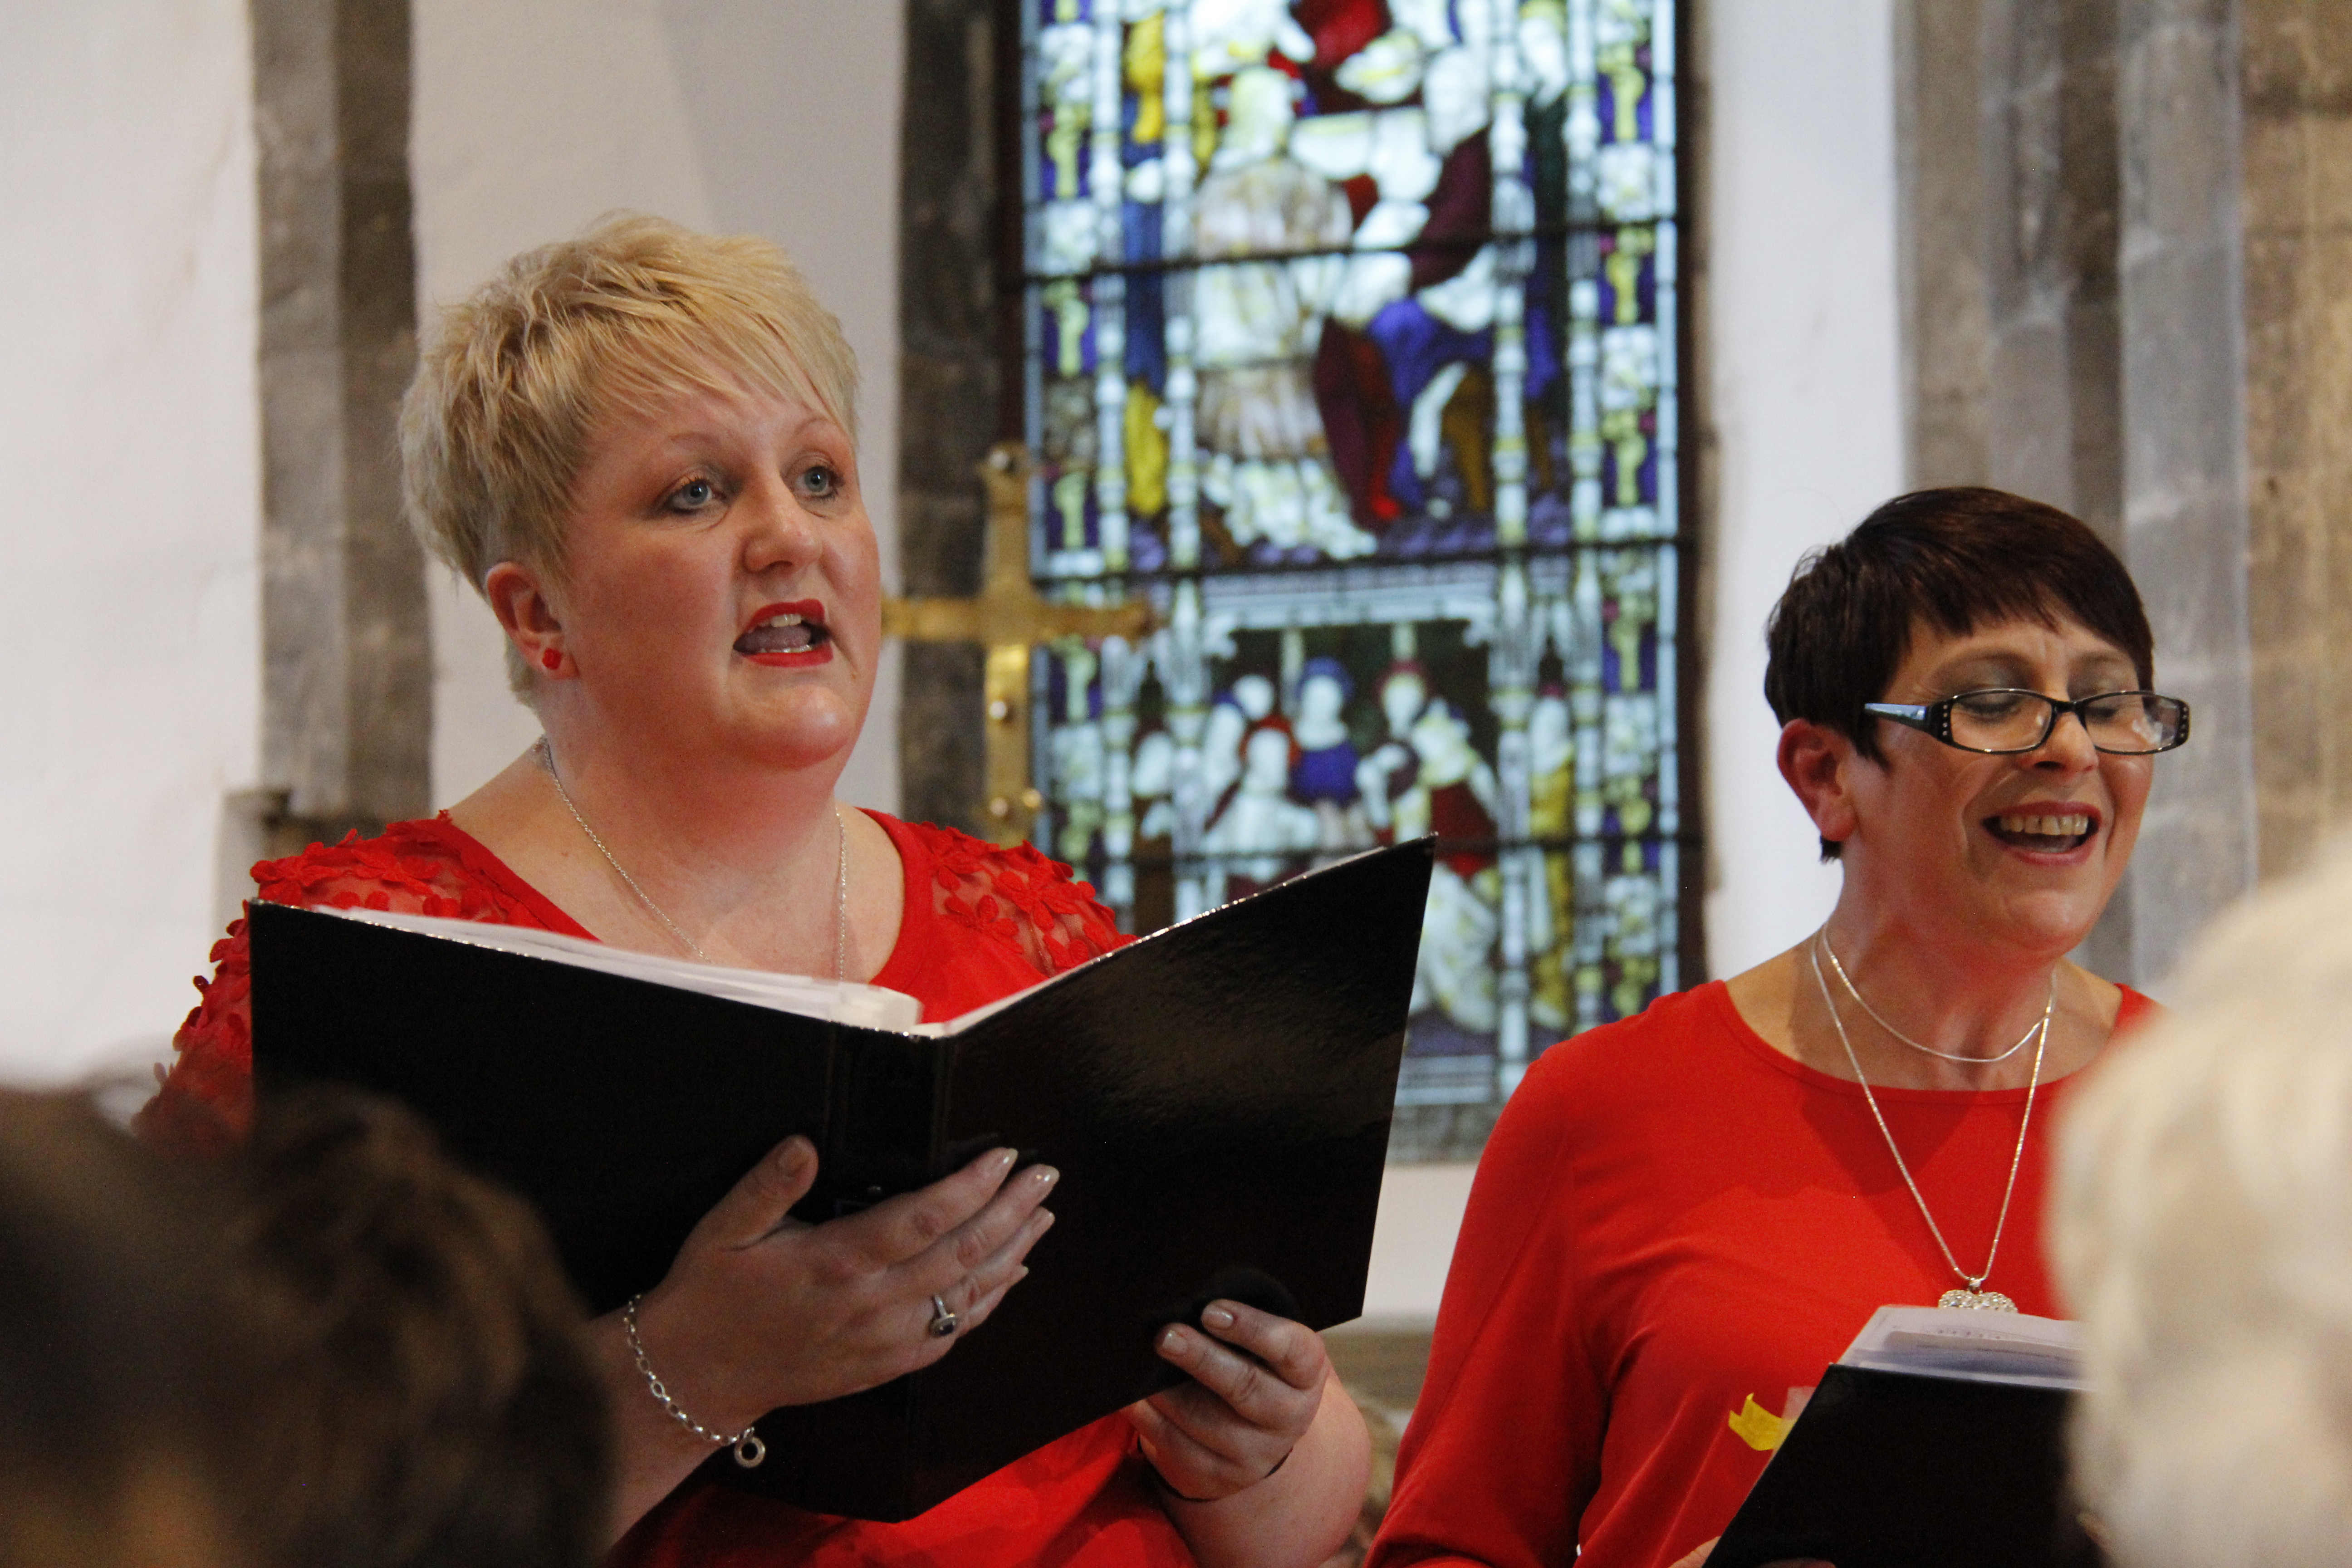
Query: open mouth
2048, 832
785, 631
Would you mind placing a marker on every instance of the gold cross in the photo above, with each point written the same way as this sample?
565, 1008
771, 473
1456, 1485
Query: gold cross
1007, 618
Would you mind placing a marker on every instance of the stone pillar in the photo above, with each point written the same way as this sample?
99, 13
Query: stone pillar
347, 669
954, 362
2185, 381
2294, 81
2010, 189
2009, 181
2047, 125
2052, 184
1941, 245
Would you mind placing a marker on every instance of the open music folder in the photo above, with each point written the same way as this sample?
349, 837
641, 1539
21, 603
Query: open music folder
1937, 1440
1216, 1095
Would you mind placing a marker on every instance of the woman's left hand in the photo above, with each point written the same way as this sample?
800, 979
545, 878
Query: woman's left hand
1256, 1382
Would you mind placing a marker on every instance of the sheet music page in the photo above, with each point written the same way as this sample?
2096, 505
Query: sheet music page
1979, 1346
844, 1002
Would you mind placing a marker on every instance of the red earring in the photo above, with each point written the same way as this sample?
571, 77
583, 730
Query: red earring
552, 659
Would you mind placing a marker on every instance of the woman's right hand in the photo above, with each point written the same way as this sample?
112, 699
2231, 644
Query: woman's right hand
760, 1309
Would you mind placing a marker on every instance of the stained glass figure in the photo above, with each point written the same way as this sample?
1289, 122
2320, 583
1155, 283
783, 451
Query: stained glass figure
1351, 341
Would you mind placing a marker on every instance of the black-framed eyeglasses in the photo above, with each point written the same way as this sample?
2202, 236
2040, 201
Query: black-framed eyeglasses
2002, 720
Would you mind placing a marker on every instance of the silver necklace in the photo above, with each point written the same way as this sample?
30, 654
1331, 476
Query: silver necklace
840, 875
1972, 1293
1862, 1002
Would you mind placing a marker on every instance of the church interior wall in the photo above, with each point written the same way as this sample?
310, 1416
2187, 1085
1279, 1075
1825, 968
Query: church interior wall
772, 117
129, 451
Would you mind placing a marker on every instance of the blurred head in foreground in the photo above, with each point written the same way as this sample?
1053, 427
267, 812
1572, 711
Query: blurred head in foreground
113, 1370
426, 1396
2203, 1232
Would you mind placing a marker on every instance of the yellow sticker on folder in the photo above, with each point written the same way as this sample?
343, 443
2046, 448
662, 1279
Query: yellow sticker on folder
1758, 1428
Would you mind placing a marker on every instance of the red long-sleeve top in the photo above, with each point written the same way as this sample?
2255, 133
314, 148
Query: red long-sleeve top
1674, 1229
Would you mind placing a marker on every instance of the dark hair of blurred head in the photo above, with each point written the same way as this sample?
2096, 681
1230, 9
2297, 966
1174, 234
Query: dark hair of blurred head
427, 1396
1947, 561
113, 1367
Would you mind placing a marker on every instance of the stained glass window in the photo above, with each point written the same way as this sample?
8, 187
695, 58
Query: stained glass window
1352, 343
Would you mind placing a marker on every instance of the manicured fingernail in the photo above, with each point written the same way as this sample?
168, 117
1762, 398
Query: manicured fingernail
1022, 1275
1171, 1341
1004, 1159
1045, 1175
1218, 1317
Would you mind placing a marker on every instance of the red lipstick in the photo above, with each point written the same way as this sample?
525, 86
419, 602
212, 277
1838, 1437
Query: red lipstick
790, 635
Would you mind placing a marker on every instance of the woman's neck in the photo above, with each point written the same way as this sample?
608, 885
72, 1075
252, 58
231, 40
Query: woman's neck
1953, 998
1955, 1014
706, 815
747, 863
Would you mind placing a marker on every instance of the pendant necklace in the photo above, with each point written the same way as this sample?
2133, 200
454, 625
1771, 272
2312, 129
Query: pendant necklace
1970, 1293
840, 876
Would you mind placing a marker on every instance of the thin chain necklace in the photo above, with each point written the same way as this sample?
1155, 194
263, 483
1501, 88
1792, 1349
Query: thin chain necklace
1972, 1293
1923, 1049
840, 875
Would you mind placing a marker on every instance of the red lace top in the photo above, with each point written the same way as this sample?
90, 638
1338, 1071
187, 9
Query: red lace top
980, 922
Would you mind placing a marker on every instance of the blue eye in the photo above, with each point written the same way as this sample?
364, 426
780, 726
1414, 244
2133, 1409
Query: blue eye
822, 480
693, 495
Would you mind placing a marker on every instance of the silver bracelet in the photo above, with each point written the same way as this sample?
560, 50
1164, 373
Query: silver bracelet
749, 1449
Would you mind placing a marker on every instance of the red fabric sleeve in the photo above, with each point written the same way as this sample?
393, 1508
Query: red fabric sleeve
204, 1105
1503, 1449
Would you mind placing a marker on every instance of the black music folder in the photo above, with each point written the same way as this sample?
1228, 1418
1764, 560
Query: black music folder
1216, 1095
1947, 1467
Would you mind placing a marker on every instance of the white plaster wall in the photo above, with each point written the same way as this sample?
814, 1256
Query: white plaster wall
1412, 1243
1805, 401
129, 456
774, 117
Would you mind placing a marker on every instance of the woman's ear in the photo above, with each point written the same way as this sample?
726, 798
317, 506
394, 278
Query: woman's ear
522, 602
1819, 763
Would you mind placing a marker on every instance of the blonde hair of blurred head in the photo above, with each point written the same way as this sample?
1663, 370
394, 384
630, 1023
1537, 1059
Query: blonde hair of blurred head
2203, 1232
521, 375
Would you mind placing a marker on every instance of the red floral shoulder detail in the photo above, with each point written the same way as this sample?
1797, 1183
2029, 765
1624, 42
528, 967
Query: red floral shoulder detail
1018, 898
206, 1102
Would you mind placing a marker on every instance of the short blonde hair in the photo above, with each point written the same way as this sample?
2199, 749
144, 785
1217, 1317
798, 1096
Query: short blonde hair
2201, 1229
512, 386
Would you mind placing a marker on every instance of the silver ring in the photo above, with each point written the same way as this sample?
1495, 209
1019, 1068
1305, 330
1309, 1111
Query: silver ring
943, 1322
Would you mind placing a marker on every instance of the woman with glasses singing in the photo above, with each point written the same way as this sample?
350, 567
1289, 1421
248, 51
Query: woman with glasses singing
1683, 1217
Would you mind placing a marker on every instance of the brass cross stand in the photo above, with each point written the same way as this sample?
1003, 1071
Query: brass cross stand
1007, 618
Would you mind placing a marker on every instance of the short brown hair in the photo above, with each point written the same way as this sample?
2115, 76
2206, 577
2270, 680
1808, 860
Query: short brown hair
1948, 560
510, 387
117, 1363
428, 1395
